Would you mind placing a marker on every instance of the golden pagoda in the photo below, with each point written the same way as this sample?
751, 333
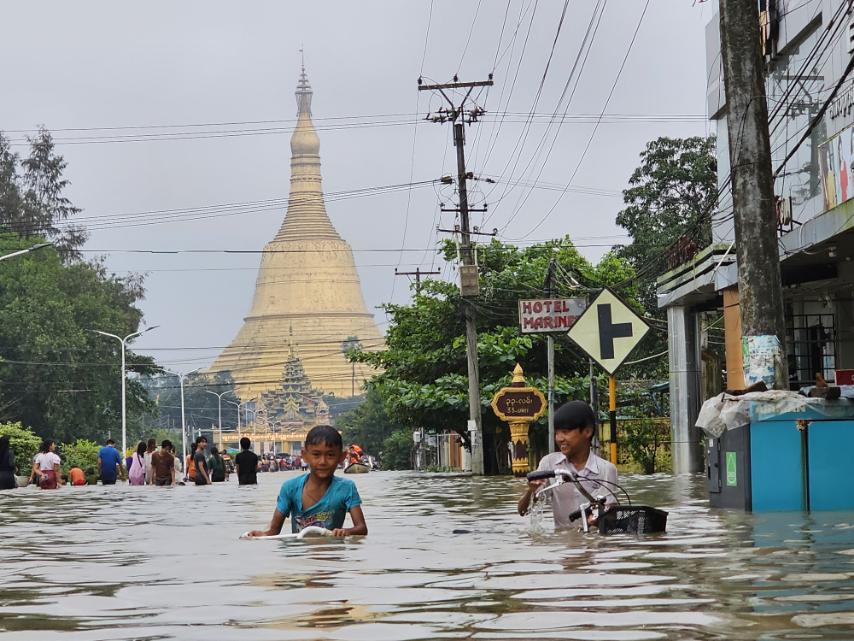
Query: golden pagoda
307, 294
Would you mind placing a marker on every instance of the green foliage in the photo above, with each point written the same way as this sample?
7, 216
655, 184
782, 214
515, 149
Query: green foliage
424, 379
56, 376
644, 439
396, 450
24, 443
32, 199
201, 409
368, 424
672, 193
82, 454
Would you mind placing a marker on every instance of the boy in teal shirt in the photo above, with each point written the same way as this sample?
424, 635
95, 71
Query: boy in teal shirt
319, 498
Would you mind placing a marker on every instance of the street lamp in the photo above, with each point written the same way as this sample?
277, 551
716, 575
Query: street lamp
219, 405
238, 405
181, 378
26, 251
124, 341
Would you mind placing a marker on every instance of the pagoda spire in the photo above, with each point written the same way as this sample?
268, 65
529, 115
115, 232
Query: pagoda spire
306, 216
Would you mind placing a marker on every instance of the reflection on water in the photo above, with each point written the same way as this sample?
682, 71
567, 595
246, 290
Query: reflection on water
110, 563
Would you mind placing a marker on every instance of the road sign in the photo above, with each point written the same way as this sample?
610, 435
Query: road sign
519, 404
608, 330
545, 315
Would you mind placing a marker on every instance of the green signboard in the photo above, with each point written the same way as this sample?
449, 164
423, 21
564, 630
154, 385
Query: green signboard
731, 469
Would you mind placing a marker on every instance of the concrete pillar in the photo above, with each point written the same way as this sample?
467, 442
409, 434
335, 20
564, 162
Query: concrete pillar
684, 357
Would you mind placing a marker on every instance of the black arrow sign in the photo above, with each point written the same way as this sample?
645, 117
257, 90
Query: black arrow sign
608, 331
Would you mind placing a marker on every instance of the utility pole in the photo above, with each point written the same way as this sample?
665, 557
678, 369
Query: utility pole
550, 357
760, 288
418, 274
458, 115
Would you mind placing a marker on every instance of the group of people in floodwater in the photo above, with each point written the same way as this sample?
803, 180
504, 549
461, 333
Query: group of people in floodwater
319, 498
148, 465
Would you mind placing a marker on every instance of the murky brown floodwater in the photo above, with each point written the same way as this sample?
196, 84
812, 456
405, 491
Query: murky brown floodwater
97, 563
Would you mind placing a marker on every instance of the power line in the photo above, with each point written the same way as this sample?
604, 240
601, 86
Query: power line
596, 127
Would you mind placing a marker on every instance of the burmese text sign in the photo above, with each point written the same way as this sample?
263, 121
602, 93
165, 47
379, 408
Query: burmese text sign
513, 404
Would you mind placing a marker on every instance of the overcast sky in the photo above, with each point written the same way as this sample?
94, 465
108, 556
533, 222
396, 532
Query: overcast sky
196, 65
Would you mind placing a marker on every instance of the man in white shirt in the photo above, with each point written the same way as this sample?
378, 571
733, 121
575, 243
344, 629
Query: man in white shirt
574, 427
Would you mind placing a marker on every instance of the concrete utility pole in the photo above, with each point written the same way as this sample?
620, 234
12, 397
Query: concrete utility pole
760, 288
548, 290
418, 274
458, 115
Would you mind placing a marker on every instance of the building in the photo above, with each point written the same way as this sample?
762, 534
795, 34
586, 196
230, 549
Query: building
282, 417
307, 293
807, 47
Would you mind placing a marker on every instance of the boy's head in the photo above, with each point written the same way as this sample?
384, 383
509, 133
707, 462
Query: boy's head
245, 443
166, 444
323, 450
575, 424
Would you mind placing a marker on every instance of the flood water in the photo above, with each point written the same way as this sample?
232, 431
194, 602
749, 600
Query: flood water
121, 562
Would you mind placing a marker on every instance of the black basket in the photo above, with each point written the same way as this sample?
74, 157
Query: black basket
637, 519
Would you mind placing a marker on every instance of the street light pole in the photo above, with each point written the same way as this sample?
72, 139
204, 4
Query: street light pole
26, 251
219, 406
181, 378
123, 342
238, 405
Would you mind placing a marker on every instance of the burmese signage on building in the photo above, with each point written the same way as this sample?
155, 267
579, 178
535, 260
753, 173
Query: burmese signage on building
545, 315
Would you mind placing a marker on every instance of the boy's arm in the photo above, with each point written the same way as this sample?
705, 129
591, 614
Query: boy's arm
526, 501
275, 526
360, 528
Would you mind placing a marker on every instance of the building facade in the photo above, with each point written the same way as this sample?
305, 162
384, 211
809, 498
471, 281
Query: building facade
810, 93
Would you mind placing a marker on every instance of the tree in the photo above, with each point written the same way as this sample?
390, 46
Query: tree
32, 196
670, 195
83, 454
396, 450
200, 408
55, 375
423, 381
24, 443
368, 424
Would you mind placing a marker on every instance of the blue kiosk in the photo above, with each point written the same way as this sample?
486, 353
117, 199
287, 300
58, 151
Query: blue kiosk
783, 461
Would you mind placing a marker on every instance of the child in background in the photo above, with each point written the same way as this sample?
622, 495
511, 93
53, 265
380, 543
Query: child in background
319, 498
76, 476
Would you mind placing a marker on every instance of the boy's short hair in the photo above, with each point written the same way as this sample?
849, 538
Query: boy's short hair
324, 435
574, 415
166, 444
245, 443
110, 441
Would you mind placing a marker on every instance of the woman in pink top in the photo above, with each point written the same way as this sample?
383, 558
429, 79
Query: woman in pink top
46, 465
136, 474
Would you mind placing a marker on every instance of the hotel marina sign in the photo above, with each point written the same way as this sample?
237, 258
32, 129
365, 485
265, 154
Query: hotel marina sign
546, 315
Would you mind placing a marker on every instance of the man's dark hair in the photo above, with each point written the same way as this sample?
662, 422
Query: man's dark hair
200, 439
166, 444
245, 443
324, 435
574, 415
110, 442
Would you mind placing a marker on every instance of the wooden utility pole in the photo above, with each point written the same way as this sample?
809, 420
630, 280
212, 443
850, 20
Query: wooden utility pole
759, 283
458, 115
418, 274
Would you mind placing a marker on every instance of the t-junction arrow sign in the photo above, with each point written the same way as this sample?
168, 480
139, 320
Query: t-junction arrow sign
608, 330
